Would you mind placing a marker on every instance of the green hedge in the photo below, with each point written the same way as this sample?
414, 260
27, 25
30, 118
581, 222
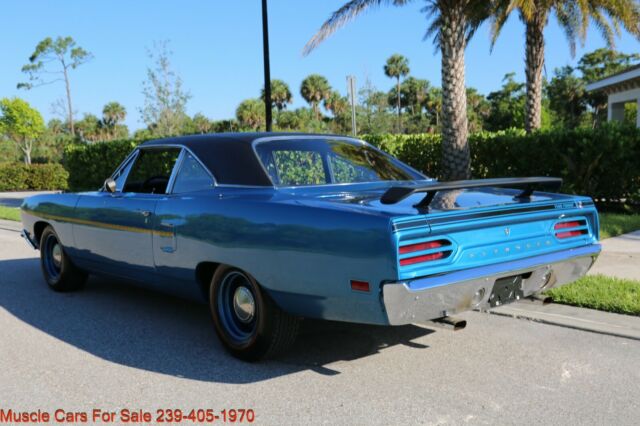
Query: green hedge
37, 177
90, 164
603, 163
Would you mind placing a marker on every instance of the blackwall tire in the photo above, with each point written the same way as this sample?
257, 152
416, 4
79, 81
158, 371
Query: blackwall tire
249, 324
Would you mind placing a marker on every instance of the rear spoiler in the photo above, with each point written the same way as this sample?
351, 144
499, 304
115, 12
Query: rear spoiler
396, 194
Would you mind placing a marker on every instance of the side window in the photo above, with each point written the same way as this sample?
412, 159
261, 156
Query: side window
151, 171
192, 176
122, 175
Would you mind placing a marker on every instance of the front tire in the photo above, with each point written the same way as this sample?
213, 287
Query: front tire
59, 273
247, 321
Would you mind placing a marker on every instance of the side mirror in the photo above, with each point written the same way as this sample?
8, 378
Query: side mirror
110, 185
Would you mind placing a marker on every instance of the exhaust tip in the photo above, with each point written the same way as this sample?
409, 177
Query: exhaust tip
451, 323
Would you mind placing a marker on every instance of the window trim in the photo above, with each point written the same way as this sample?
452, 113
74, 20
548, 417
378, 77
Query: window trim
135, 153
179, 163
328, 137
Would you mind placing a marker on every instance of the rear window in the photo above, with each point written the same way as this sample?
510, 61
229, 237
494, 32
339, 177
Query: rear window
298, 162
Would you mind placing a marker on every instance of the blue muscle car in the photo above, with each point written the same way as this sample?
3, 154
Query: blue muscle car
272, 228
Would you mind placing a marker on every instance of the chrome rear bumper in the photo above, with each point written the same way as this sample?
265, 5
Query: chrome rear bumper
424, 299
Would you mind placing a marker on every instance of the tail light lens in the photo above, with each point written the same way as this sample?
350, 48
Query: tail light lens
569, 229
431, 249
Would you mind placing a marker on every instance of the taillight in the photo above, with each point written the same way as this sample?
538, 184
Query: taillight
420, 259
430, 246
420, 246
567, 229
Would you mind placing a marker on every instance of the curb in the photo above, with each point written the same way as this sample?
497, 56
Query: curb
9, 225
590, 320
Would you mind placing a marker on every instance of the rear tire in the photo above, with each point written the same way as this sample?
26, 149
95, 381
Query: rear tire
59, 273
249, 324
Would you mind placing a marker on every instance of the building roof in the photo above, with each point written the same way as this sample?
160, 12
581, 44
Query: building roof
623, 80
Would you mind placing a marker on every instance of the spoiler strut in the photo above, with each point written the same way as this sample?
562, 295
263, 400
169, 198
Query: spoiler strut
396, 194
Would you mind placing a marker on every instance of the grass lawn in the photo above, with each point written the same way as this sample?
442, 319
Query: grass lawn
10, 213
612, 224
602, 293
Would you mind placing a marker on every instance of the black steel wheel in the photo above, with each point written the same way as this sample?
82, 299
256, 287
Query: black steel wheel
59, 273
247, 321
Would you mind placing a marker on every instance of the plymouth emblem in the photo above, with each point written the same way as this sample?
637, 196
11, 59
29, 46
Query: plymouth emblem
507, 231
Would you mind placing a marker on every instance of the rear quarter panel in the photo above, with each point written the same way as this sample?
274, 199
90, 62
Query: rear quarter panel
56, 210
303, 256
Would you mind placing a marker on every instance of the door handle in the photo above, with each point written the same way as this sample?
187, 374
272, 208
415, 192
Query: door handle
145, 213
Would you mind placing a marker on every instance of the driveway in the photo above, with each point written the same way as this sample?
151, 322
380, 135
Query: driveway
112, 346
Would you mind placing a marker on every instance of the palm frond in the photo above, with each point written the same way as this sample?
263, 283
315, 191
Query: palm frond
344, 15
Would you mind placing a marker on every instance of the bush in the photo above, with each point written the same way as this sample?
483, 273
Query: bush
602, 163
90, 164
35, 177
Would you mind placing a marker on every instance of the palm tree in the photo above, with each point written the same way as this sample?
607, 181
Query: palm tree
280, 95
574, 17
397, 66
336, 103
251, 113
314, 89
453, 22
112, 114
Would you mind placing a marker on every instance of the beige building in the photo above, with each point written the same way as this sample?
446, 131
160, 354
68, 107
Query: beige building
621, 88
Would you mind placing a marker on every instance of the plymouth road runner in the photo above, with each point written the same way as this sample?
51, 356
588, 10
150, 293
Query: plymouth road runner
272, 228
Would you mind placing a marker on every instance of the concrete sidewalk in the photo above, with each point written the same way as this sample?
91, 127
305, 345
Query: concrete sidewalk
14, 199
572, 317
10, 225
620, 257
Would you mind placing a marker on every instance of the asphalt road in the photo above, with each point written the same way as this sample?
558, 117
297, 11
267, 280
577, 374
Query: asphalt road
113, 346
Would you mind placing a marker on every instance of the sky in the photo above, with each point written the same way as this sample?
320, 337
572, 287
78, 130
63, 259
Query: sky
217, 49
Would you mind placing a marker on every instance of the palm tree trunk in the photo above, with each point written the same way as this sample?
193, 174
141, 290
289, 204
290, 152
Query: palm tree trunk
534, 66
455, 149
398, 105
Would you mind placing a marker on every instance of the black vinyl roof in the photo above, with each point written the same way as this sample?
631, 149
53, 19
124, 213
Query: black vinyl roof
229, 156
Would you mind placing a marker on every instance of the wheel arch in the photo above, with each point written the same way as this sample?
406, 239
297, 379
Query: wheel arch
204, 274
38, 229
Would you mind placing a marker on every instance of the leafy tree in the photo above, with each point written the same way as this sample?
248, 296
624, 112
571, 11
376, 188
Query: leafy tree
414, 94
90, 128
506, 105
280, 94
50, 62
434, 105
336, 103
597, 65
165, 100
373, 110
250, 113
397, 66
21, 124
202, 124
574, 17
288, 120
566, 94
339, 107
315, 89
478, 110
56, 126
453, 22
